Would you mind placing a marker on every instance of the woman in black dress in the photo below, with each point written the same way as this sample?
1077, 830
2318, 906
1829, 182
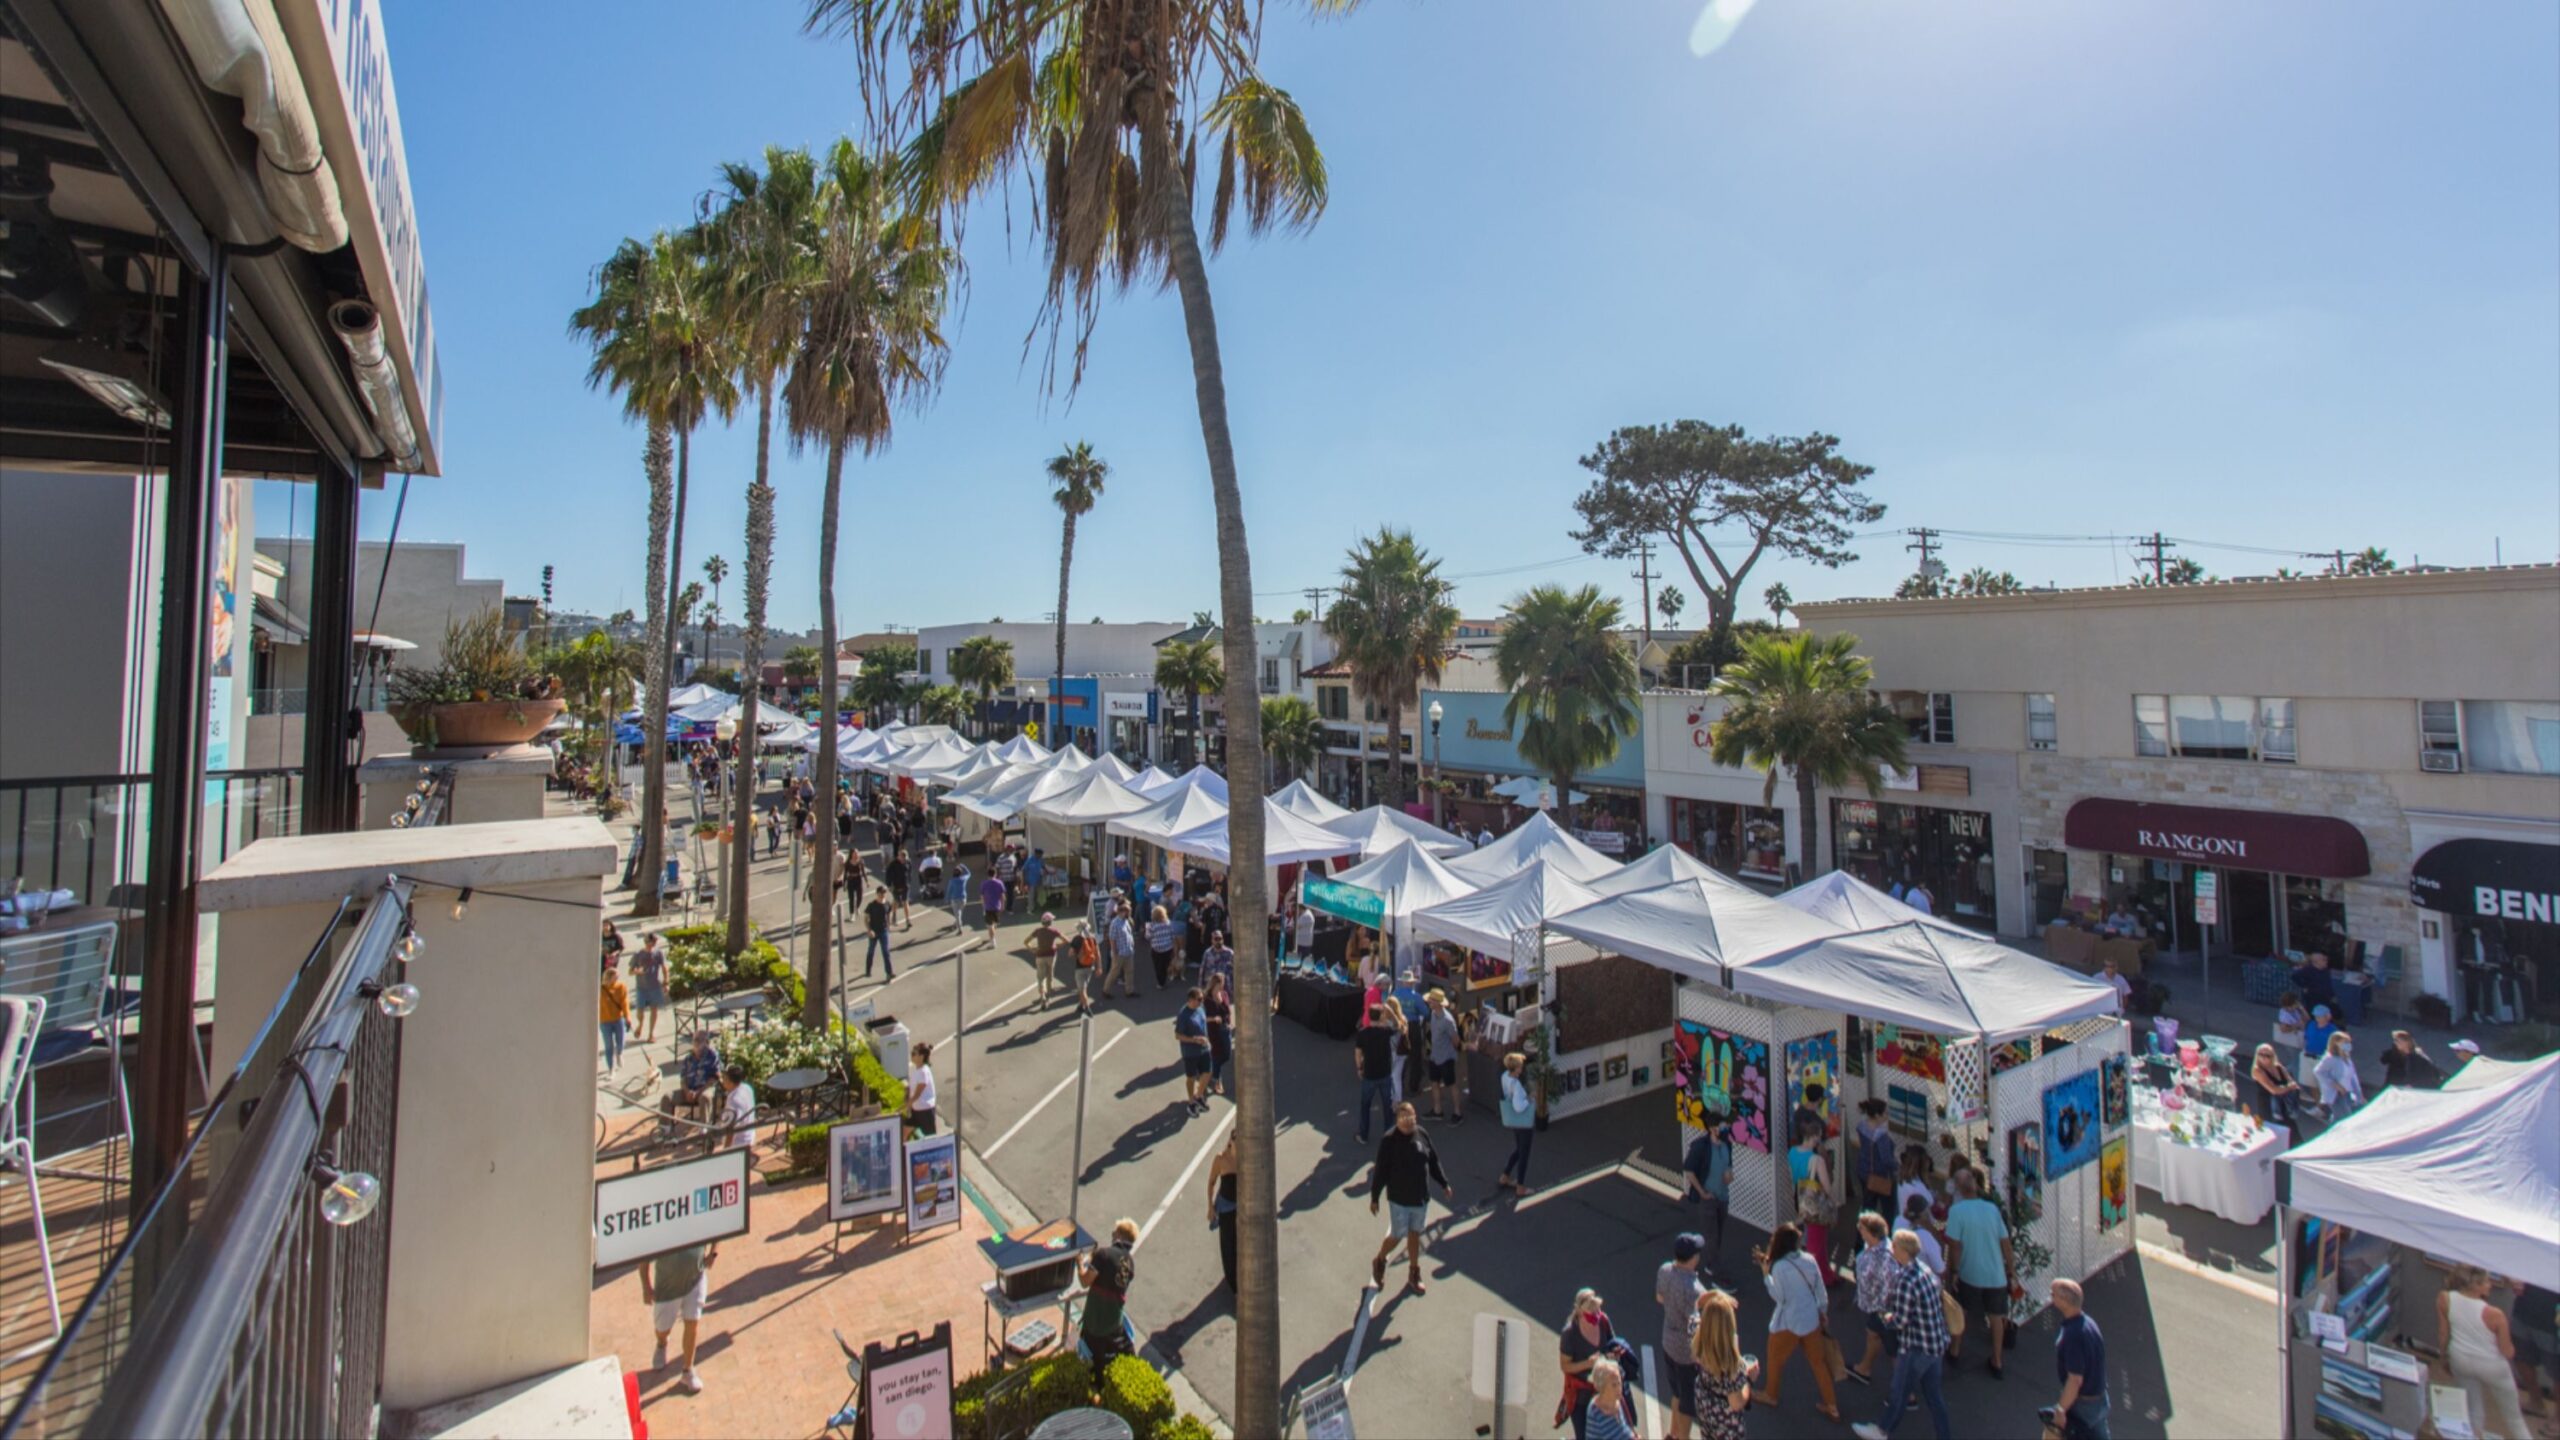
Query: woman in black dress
1222, 1206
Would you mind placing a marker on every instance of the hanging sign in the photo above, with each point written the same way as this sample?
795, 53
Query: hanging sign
1345, 902
650, 1212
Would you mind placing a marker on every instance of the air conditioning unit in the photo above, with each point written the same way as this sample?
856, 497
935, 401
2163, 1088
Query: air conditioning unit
2441, 762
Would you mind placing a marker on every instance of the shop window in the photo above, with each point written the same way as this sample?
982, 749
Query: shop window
924, 662
1928, 715
2275, 732
2439, 736
2214, 727
2513, 737
1271, 676
1334, 701
2040, 726
2150, 724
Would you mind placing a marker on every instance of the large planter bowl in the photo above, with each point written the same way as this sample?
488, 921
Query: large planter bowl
486, 724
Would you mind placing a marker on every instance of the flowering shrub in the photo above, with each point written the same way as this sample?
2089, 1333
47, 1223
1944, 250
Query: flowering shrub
770, 1045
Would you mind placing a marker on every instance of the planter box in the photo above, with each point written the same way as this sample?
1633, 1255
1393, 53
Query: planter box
490, 724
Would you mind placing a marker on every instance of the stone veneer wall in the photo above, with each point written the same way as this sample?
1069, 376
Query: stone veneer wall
2378, 908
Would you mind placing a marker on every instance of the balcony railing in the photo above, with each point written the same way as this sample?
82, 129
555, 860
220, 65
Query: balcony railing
84, 833
248, 1296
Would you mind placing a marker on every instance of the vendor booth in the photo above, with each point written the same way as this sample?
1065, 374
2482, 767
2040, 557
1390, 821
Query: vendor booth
1381, 893
1539, 838
1378, 829
1068, 824
1583, 1018
2373, 1217
1300, 799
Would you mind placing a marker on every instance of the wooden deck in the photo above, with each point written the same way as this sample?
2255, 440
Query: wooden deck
85, 1222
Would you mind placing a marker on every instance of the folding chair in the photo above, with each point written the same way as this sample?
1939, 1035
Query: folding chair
21, 1021
70, 971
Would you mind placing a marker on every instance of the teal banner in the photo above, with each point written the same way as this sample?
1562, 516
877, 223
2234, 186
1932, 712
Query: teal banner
1347, 902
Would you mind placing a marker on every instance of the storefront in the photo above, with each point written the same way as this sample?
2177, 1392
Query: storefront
2237, 882
1074, 703
1727, 816
1745, 841
1477, 748
1948, 851
2492, 937
1126, 714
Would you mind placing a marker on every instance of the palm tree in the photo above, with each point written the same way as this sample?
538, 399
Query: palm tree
882, 686
1292, 734
2371, 560
801, 663
1191, 668
1779, 599
649, 326
871, 340
1100, 108
942, 705
983, 663
762, 243
1800, 701
1391, 625
715, 570
1573, 684
1076, 475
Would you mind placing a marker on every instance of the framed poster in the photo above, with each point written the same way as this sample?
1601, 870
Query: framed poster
1734, 1079
1906, 1112
2115, 1187
1642, 1077
866, 1167
1815, 1060
1613, 1067
2115, 1091
2071, 1129
2026, 1174
1913, 1052
906, 1386
933, 1183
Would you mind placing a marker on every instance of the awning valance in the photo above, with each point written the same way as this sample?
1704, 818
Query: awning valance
2318, 845
2503, 879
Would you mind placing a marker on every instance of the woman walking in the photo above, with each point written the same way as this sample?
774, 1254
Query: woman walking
1796, 1286
1521, 1119
1587, 1344
1724, 1377
1221, 1012
2480, 1349
1222, 1207
1164, 933
613, 1013
2341, 1091
649, 987
921, 1096
1815, 1195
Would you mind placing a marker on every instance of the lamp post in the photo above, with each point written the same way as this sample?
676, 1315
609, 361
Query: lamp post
1438, 799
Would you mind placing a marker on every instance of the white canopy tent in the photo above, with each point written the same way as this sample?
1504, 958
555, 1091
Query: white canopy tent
1407, 876
1151, 781
2481, 1072
1287, 839
919, 761
790, 732
1493, 919
977, 786
1380, 828
1302, 800
1021, 750
1067, 759
1205, 780
1115, 767
1539, 839
1094, 798
1182, 808
1694, 928
982, 762
2469, 1175
1852, 904
719, 705
1667, 865
1930, 977
1524, 790
1002, 797
677, 698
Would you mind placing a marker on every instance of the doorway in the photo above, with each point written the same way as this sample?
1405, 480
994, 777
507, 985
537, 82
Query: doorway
2248, 913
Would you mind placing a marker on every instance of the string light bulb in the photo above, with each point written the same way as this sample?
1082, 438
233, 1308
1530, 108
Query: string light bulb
462, 902
409, 947
349, 1195
398, 1001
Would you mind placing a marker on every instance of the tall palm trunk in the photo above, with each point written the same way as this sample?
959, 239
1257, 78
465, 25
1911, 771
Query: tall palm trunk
1257, 1404
1195, 728
653, 807
758, 580
1395, 752
822, 917
653, 745
1058, 676
1808, 815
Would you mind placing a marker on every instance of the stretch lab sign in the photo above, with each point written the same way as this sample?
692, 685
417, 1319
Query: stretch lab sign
650, 1212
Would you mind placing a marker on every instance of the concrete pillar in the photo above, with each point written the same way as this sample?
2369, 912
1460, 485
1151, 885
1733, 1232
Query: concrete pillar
491, 1193
489, 787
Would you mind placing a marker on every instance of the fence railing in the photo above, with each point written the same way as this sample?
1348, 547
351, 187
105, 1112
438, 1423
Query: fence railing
84, 833
257, 1306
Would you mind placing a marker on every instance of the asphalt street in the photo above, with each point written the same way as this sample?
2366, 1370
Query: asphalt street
2193, 1350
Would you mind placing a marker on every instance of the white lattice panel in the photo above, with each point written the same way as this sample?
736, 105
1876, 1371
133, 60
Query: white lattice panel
2068, 1228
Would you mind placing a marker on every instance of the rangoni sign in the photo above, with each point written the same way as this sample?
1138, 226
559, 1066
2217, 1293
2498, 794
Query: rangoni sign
2318, 845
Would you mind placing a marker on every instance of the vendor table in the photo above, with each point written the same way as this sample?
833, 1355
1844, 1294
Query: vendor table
1327, 1007
2234, 1181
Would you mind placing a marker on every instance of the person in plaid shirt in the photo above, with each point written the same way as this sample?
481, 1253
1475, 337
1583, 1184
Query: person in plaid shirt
1875, 1275
1918, 1314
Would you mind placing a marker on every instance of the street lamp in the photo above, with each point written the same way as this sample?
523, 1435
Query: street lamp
1437, 798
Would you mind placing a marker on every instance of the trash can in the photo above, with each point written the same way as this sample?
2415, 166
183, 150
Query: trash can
889, 1042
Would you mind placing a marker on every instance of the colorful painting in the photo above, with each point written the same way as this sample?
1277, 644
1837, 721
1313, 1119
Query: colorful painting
1734, 1080
2115, 1187
1487, 972
1913, 1052
1642, 1076
866, 1160
1680, 1066
1815, 1060
2026, 1174
2012, 1055
1613, 1067
2071, 1129
2115, 1091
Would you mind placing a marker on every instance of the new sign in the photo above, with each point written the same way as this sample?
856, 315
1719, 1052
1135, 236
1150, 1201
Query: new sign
650, 1212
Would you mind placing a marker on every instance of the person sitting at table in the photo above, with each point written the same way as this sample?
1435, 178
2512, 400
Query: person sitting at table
2121, 923
697, 1095
2271, 1088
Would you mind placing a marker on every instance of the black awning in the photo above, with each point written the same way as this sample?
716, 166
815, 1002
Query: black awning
280, 624
2495, 879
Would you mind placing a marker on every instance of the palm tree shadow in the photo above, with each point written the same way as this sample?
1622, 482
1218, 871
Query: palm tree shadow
1139, 1139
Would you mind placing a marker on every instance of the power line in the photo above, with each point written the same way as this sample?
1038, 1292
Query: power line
2159, 549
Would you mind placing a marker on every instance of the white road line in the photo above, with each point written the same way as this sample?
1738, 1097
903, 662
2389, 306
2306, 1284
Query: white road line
1055, 1091
1217, 1137
991, 1013
1650, 1410
1359, 1331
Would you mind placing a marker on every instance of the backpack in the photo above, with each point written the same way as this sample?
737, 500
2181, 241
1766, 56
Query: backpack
1087, 953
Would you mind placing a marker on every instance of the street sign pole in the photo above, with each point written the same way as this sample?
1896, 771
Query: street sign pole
1084, 1072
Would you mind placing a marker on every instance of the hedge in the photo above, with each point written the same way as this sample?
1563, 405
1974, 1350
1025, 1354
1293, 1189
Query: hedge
1132, 1390
1185, 1427
1057, 1382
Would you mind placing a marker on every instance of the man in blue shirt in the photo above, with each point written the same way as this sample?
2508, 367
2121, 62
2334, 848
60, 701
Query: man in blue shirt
697, 1080
2080, 1362
1980, 1259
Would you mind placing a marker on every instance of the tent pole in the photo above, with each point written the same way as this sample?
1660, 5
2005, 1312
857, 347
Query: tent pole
2284, 1320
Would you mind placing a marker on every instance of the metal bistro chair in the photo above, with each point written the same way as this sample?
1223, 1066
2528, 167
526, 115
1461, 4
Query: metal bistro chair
21, 1022
69, 970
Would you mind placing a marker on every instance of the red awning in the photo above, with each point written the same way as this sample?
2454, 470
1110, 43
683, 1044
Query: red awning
2320, 845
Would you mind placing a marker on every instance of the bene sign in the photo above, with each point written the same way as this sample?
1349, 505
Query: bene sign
650, 1212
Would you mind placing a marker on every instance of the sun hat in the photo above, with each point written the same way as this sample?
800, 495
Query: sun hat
2467, 1047
1048, 919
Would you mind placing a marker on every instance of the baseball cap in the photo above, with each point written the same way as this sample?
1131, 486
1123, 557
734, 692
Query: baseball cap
1687, 1247
2319, 1009
2467, 1047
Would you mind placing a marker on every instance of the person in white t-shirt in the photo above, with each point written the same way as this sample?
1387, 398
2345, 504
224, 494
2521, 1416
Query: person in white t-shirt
2122, 986
1306, 936
1484, 837
923, 1100
738, 1110
1915, 1218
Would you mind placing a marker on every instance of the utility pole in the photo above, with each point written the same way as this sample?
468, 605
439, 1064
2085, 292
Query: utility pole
1925, 540
1315, 601
1644, 577
2159, 561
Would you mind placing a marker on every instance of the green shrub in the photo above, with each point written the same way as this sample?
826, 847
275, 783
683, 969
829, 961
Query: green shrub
1185, 1427
1049, 1385
1132, 1390
885, 1090
808, 1144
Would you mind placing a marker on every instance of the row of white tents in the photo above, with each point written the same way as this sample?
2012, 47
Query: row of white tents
1835, 943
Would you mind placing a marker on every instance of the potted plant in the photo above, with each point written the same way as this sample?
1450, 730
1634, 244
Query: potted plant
484, 691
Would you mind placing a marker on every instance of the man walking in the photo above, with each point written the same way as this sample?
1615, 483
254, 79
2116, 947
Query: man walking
1107, 1275
1191, 1032
1124, 954
1044, 954
2080, 1362
1406, 1169
991, 892
898, 876
1981, 1259
1918, 1313
674, 1286
1440, 1029
875, 928
1677, 1289
1373, 1059
1707, 1177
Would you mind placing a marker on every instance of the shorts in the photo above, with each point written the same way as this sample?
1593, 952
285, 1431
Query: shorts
687, 1306
1991, 1302
1681, 1384
1444, 1072
1195, 1062
1403, 1220
2538, 1347
649, 997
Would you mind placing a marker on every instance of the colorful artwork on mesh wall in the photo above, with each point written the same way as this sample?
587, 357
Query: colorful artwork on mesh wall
2114, 1183
1913, 1052
2026, 1174
1906, 1111
1815, 1060
1734, 1080
2011, 1055
2115, 1091
1680, 1064
2071, 1129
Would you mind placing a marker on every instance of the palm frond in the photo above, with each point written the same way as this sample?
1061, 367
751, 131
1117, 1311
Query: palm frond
1274, 157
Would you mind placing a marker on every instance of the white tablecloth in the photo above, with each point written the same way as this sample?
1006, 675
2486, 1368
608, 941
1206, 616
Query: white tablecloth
2237, 1183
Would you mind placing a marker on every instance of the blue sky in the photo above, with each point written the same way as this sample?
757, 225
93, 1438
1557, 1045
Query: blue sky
2271, 275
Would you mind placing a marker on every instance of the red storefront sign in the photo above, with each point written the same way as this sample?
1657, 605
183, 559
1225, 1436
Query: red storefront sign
2319, 845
